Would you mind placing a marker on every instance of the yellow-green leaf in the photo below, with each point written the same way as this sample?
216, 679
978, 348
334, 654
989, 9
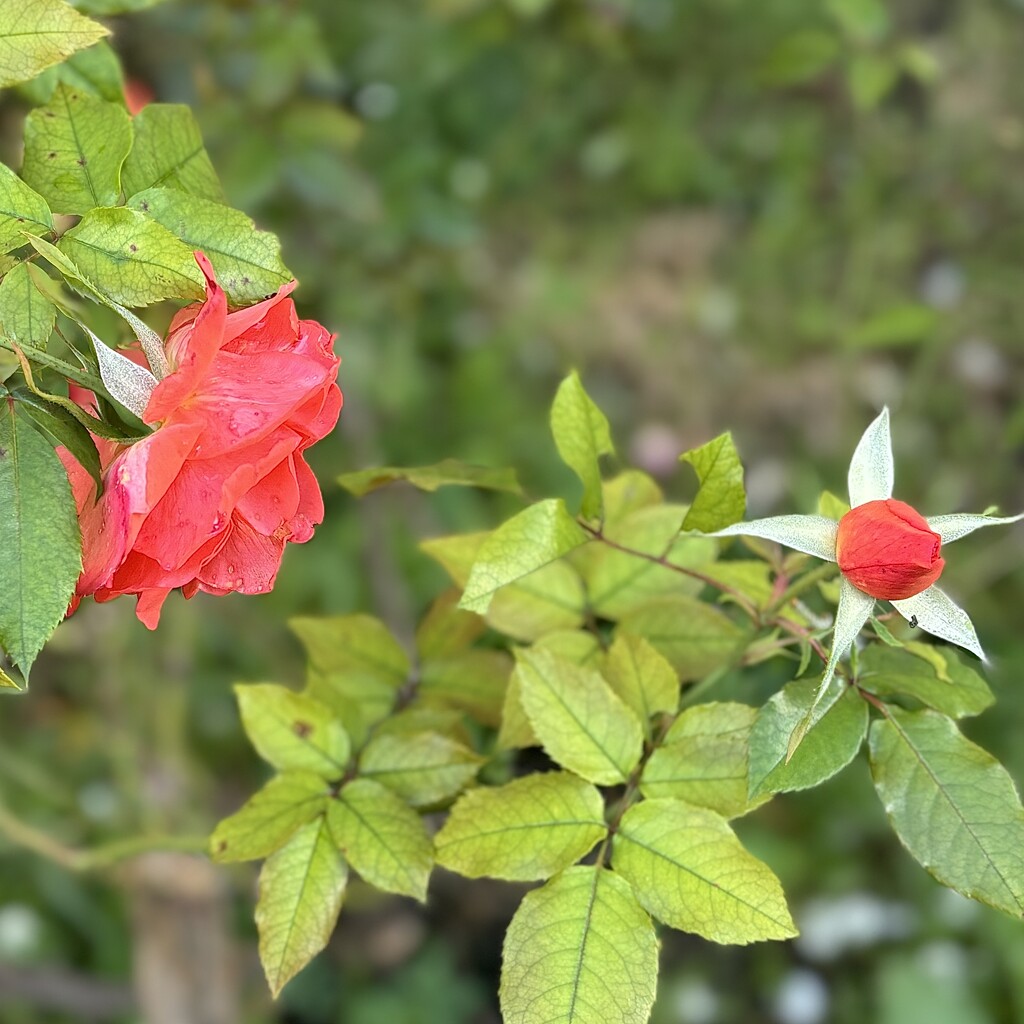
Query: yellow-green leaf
619, 581
74, 149
530, 828
356, 668
630, 490
581, 648
21, 209
352, 643
689, 870
695, 637
642, 677
247, 262
382, 837
548, 600
292, 731
268, 819
456, 553
26, 315
422, 768
96, 70
581, 435
169, 153
580, 950
132, 259
430, 478
446, 629
301, 889
536, 536
703, 760
579, 720
721, 499
474, 681
35, 34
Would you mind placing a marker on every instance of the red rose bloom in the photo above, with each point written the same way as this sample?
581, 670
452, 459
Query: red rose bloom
887, 549
210, 498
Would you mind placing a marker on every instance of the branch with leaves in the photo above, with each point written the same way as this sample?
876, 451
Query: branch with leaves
621, 621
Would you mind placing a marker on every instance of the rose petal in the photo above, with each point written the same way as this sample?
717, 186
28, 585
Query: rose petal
271, 501
814, 535
200, 500
105, 527
191, 350
140, 572
149, 606
310, 510
247, 563
936, 613
244, 398
953, 527
871, 469
243, 320
318, 417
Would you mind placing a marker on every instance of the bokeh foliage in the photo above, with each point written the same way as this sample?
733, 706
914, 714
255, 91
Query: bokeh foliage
720, 215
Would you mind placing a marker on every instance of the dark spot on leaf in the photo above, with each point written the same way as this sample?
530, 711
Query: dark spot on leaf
222, 846
245, 280
81, 161
3, 453
49, 113
302, 729
145, 207
51, 155
133, 247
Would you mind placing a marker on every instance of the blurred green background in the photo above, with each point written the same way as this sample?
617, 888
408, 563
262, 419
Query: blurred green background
769, 216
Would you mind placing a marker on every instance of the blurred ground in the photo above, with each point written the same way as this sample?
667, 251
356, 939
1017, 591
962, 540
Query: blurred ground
764, 217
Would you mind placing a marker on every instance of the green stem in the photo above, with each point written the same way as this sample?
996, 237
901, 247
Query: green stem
701, 687
741, 599
19, 833
802, 585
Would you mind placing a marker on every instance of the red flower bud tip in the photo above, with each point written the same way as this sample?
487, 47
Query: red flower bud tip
888, 550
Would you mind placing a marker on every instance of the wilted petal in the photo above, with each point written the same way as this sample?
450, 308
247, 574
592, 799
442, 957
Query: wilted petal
871, 470
953, 527
814, 535
936, 613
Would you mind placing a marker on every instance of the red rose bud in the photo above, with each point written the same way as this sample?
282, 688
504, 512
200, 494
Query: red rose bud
888, 550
